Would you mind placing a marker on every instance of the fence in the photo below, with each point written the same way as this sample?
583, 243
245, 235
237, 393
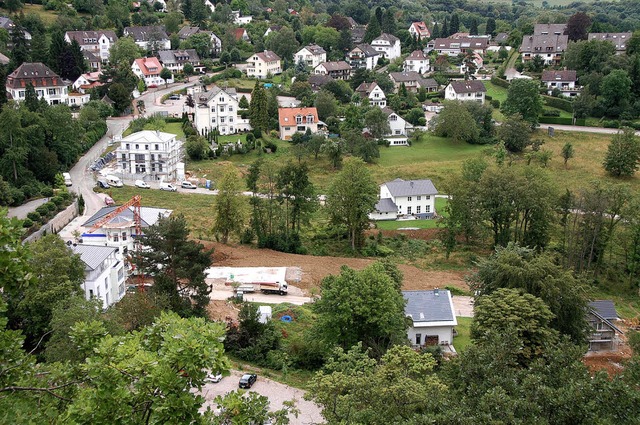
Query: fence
56, 223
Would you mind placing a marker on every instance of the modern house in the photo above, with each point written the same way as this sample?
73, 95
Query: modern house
456, 46
363, 56
432, 317
388, 45
150, 155
263, 64
419, 30
374, 93
417, 61
618, 39
311, 55
96, 42
150, 38
148, 69
465, 91
238, 19
337, 70
175, 60
413, 81
218, 109
549, 47
104, 273
564, 80
120, 231
602, 316
413, 198
297, 120
399, 129
47, 84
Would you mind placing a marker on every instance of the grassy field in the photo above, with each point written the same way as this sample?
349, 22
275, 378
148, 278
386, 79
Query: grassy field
47, 16
500, 93
420, 224
463, 339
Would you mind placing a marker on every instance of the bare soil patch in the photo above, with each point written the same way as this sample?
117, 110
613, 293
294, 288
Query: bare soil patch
315, 268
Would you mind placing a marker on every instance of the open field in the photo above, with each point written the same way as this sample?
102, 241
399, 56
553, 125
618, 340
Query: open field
47, 16
500, 93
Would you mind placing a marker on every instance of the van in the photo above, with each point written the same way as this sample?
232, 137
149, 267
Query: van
168, 186
67, 179
114, 181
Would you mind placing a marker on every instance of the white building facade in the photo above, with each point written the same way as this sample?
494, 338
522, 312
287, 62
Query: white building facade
263, 64
432, 317
388, 45
47, 84
104, 271
311, 55
466, 91
150, 155
218, 109
405, 198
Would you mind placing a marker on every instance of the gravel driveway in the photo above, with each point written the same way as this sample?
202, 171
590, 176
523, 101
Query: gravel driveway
277, 393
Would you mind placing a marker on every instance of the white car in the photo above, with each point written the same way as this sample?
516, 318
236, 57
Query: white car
214, 377
188, 185
142, 184
168, 186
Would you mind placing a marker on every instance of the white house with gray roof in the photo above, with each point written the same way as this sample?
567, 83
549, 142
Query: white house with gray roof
388, 45
404, 199
218, 109
432, 315
104, 273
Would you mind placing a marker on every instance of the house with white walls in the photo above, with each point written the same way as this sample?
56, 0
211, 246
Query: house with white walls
418, 61
104, 273
373, 92
388, 45
175, 60
399, 129
432, 317
150, 38
311, 55
263, 64
148, 69
339, 70
97, 42
419, 30
297, 120
363, 56
47, 84
563, 80
405, 199
466, 91
150, 155
218, 109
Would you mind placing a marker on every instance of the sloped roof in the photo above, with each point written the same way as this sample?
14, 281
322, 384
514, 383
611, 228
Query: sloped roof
36, 73
540, 43
399, 187
429, 306
392, 39
148, 215
386, 205
4, 60
469, 86
335, 66
287, 116
421, 28
81, 36
619, 39
267, 56
319, 80
239, 33
170, 56
186, 32
204, 98
540, 29
90, 57
461, 43
564, 75
405, 76
314, 49
605, 308
146, 65
148, 136
366, 88
417, 55
92, 255
368, 50
146, 33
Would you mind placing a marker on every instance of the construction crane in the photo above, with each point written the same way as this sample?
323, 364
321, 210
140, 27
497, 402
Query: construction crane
135, 203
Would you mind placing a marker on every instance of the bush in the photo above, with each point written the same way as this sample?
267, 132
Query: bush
58, 201
27, 223
610, 124
558, 103
43, 210
495, 103
555, 120
270, 145
51, 206
551, 113
499, 82
47, 191
33, 216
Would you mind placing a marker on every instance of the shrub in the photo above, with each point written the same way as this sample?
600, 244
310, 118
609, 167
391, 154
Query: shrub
610, 124
558, 103
27, 223
499, 82
33, 216
551, 113
555, 120
51, 206
43, 210
58, 201
495, 103
47, 191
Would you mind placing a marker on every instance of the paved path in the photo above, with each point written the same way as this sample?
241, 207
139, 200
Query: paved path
463, 305
581, 129
24, 209
294, 295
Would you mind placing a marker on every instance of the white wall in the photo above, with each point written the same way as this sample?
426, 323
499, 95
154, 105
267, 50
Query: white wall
425, 201
444, 333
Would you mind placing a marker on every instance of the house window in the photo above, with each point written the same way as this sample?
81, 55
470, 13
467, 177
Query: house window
230, 108
600, 326
409, 198
427, 209
221, 119
124, 236
393, 117
427, 197
309, 119
51, 91
137, 146
157, 147
146, 147
408, 210
116, 237
418, 339
298, 119
418, 197
418, 209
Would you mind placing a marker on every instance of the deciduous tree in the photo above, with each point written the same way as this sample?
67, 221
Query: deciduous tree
524, 98
228, 207
623, 154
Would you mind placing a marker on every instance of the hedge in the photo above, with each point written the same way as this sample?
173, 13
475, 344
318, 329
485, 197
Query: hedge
499, 82
556, 102
561, 121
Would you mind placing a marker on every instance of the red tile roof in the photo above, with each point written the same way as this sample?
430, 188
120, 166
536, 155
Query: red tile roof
287, 116
149, 66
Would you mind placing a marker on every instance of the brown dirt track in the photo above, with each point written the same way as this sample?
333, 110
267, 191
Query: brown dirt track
314, 268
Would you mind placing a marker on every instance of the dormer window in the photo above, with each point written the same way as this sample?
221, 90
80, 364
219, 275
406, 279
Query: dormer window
298, 119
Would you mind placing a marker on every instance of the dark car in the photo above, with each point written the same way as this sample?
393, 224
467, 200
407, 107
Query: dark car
103, 184
247, 380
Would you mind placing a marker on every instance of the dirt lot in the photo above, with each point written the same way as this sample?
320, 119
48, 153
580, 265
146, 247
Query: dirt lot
315, 268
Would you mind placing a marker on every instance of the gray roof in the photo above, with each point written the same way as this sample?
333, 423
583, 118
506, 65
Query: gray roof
146, 33
605, 308
542, 29
186, 32
3, 59
619, 39
429, 306
178, 56
386, 205
405, 76
148, 215
399, 187
387, 37
204, 98
563, 75
335, 66
501, 37
319, 80
544, 43
93, 255
469, 86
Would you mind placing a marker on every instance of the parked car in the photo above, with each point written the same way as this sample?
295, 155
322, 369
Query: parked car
102, 184
109, 200
114, 181
214, 377
142, 184
247, 380
188, 185
174, 97
168, 186
67, 179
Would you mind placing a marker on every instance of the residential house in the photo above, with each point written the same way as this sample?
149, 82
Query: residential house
549, 29
318, 81
210, 5
238, 19
374, 93
432, 317
564, 80
104, 273
218, 109
363, 56
77, 99
148, 69
388, 45
476, 63
464, 91
430, 106
47, 84
150, 38
419, 30
4, 60
297, 120
271, 29
150, 154
337, 70
357, 34
549, 47
501, 39
602, 316
311, 55
216, 43
97, 42
120, 231
399, 129
414, 198
263, 64
413, 81
87, 81
241, 34
619, 39
187, 31
456, 46
8, 25
95, 63
417, 61
175, 60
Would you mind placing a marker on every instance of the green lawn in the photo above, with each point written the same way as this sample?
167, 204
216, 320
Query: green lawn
463, 339
175, 128
420, 224
500, 93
